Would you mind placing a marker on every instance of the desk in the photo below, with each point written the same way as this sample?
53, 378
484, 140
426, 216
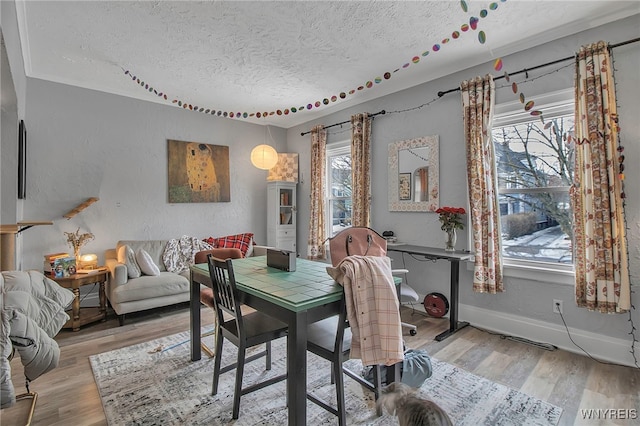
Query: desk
454, 258
297, 298
80, 317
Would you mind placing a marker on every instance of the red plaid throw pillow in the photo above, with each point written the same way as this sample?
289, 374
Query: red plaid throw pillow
239, 241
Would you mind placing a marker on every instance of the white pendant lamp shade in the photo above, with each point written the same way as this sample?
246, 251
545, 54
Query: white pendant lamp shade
264, 157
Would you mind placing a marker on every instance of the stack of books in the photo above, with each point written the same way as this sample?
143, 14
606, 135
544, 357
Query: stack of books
49, 261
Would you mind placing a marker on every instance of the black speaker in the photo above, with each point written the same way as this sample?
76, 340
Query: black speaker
281, 259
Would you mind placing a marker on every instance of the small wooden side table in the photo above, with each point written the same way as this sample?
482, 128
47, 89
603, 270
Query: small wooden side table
74, 282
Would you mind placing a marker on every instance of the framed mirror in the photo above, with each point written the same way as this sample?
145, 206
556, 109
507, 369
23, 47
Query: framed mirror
414, 175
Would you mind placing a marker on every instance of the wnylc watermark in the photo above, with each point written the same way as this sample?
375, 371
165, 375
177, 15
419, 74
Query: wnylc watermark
609, 414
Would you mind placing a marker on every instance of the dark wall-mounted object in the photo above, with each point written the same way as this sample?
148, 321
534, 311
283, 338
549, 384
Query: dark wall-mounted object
22, 161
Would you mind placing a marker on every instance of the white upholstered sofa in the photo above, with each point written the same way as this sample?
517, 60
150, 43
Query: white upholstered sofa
127, 294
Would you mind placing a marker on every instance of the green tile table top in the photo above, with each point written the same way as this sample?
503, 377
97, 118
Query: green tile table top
307, 287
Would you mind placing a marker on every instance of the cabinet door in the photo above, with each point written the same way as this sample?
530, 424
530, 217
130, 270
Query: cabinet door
281, 215
286, 200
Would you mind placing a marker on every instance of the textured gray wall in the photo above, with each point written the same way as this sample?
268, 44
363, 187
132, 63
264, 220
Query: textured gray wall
85, 143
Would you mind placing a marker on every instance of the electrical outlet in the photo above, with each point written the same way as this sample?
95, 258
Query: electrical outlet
557, 306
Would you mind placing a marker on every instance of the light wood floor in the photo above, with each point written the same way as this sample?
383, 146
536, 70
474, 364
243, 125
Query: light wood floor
68, 394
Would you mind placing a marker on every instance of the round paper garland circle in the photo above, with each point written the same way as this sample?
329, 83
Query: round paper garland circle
463, 5
482, 38
497, 64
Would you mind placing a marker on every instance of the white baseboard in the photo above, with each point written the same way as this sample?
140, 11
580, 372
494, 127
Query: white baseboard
599, 346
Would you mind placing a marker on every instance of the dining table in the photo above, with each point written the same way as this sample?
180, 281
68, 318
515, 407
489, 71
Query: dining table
297, 298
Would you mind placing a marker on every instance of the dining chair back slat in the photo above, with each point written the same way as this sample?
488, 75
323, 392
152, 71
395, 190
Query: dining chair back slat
243, 330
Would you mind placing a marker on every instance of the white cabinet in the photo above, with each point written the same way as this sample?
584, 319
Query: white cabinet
281, 215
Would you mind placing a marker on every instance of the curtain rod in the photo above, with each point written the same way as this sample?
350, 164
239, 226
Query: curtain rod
525, 70
383, 112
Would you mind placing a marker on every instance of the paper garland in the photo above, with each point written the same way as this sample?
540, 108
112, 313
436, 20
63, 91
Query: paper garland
473, 25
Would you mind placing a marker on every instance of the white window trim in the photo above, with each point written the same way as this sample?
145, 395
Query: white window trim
334, 149
552, 104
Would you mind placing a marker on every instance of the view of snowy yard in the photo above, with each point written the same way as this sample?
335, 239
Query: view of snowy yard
546, 245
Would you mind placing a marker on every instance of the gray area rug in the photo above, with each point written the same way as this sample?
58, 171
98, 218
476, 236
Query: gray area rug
155, 383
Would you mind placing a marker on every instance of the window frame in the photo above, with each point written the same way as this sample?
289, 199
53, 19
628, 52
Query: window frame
333, 150
553, 105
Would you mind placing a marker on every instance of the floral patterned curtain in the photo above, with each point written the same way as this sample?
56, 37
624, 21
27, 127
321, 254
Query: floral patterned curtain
361, 169
478, 98
602, 271
315, 244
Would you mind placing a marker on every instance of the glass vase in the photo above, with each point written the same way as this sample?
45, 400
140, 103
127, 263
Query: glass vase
450, 242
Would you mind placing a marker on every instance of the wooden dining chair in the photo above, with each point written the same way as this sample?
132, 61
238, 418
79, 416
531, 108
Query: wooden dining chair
244, 331
206, 293
331, 339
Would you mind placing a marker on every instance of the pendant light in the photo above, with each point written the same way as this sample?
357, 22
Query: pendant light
264, 156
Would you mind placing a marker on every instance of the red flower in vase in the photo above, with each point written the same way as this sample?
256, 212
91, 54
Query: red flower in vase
451, 218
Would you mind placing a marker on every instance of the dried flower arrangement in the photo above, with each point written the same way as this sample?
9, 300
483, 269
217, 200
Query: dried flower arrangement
77, 240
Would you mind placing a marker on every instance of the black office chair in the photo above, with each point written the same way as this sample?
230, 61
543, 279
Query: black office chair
244, 331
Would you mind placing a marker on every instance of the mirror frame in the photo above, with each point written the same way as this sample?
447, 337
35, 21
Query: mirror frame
433, 164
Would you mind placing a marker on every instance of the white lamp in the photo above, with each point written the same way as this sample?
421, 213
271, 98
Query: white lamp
264, 157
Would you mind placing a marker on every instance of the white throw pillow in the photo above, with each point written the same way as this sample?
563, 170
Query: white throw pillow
146, 263
128, 257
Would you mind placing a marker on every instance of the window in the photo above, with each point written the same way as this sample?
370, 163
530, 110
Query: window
338, 187
534, 162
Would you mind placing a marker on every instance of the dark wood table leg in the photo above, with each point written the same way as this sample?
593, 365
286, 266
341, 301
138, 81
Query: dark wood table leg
297, 369
194, 320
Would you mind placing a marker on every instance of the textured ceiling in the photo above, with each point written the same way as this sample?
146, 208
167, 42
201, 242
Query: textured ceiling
265, 56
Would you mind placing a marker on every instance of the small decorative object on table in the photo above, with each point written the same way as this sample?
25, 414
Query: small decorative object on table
451, 219
77, 240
